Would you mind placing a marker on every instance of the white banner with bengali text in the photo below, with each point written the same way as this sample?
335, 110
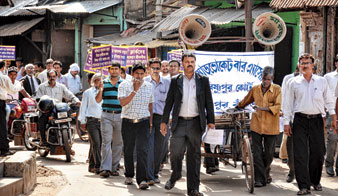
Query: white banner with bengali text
232, 74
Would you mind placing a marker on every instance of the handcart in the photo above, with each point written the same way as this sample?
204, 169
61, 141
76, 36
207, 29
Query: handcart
235, 123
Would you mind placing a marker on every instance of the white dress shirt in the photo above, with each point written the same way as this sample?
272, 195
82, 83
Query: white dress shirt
19, 76
332, 79
286, 79
308, 97
43, 76
89, 106
6, 86
74, 83
189, 106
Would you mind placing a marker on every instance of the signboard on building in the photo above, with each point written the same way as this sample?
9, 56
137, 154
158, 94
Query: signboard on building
7, 52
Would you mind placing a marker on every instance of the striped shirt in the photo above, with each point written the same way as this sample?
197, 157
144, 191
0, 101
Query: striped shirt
109, 96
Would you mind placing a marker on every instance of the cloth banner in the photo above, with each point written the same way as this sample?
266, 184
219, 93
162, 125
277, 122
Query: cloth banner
232, 74
7, 52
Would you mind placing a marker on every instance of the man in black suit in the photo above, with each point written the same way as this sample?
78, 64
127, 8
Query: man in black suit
30, 82
190, 100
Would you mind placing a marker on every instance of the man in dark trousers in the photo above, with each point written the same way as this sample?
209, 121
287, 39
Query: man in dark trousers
190, 100
306, 97
30, 82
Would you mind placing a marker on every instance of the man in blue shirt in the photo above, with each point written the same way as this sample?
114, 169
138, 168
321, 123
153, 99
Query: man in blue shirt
112, 144
157, 140
90, 117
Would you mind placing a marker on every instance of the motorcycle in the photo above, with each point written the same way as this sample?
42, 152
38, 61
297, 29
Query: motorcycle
59, 132
23, 116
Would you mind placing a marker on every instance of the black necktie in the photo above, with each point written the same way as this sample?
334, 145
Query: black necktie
33, 86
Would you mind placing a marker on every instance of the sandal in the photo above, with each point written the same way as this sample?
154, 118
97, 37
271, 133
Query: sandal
318, 187
304, 192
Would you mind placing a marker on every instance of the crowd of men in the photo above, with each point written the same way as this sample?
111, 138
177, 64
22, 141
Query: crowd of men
135, 115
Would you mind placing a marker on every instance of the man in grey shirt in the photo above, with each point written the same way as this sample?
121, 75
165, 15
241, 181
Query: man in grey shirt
56, 91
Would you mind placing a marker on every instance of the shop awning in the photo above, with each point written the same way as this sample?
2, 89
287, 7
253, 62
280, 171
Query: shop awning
18, 28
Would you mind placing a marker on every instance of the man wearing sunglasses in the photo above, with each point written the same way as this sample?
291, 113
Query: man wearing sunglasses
56, 91
156, 140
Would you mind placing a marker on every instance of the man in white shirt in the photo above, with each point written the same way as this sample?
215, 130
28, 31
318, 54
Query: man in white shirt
43, 75
57, 65
56, 91
332, 138
90, 115
6, 86
21, 68
73, 79
306, 97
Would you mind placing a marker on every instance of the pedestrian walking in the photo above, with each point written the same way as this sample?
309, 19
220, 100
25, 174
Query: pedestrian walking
264, 124
156, 139
137, 99
90, 119
112, 143
190, 100
305, 100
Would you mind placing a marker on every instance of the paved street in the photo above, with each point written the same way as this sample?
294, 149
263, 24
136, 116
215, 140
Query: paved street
227, 181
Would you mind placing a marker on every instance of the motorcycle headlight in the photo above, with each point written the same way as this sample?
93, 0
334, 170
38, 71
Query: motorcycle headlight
62, 115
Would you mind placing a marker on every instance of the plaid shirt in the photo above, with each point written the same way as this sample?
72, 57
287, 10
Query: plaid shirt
138, 107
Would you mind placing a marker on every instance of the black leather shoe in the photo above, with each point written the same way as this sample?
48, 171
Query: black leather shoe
259, 184
268, 180
211, 170
195, 193
318, 187
329, 171
290, 178
6, 153
169, 185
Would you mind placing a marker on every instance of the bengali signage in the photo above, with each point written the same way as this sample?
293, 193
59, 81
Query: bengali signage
232, 74
7, 52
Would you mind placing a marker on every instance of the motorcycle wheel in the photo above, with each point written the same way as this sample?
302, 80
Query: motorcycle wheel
43, 152
27, 141
66, 144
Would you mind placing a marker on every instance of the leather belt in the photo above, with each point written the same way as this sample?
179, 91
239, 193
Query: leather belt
157, 115
135, 120
188, 118
93, 118
113, 111
309, 116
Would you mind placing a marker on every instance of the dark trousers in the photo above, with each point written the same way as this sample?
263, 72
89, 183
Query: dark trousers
309, 150
187, 135
209, 161
43, 120
263, 151
331, 144
3, 131
159, 142
135, 134
289, 149
94, 131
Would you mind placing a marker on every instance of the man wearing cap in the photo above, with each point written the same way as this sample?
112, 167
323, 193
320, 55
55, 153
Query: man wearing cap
112, 143
30, 82
165, 69
43, 75
6, 86
90, 118
136, 98
73, 79
21, 69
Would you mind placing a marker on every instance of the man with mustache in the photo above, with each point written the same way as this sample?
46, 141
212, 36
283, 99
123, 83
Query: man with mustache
305, 101
264, 124
190, 100
56, 91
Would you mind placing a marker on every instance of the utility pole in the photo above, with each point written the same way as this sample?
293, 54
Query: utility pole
248, 25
